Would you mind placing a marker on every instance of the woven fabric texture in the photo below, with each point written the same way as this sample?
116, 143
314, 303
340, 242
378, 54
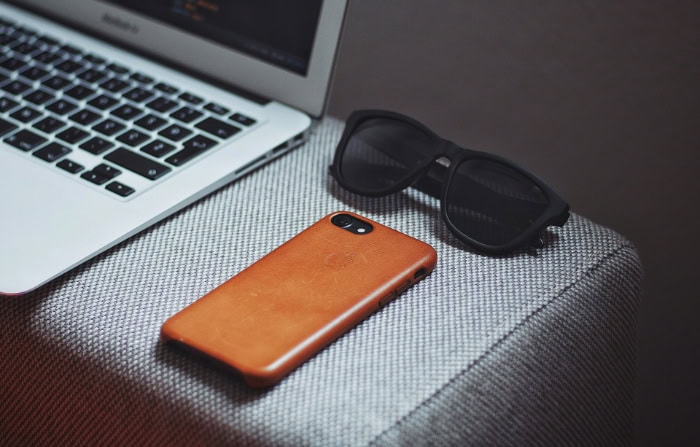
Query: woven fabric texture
565, 376
82, 362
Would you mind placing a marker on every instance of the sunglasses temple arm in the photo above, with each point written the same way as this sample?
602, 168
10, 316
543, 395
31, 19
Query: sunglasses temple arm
537, 242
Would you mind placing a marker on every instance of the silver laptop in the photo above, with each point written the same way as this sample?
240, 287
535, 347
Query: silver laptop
115, 114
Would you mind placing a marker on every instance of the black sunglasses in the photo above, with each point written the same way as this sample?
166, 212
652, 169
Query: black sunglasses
487, 201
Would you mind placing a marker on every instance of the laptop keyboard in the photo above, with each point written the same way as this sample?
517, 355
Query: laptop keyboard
96, 120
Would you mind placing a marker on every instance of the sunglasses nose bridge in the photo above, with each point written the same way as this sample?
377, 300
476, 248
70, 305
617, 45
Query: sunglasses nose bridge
434, 173
447, 150
445, 153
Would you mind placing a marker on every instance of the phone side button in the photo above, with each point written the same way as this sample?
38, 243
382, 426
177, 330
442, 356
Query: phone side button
403, 287
386, 299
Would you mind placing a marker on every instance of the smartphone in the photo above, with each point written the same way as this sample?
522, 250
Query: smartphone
284, 308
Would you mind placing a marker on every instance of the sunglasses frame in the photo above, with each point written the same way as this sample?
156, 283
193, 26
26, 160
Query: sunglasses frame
555, 213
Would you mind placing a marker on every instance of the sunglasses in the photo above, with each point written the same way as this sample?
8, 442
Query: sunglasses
487, 201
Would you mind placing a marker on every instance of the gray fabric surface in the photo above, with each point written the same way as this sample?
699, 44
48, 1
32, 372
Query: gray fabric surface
82, 362
564, 376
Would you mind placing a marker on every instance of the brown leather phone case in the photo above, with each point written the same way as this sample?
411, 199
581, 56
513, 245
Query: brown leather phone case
284, 308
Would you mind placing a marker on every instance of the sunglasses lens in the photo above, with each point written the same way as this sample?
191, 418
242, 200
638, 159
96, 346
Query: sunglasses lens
383, 152
493, 203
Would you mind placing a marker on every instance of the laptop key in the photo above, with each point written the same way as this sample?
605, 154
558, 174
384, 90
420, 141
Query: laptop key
127, 112
13, 64
25, 48
69, 66
85, 117
106, 171
138, 94
6, 126
120, 189
150, 122
91, 75
94, 177
47, 57
109, 127
23, 31
166, 88
80, 92
218, 128
26, 114
192, 99
70, 166
70, 49
52, 152
7, 104
48, 41
158, 148
102, 102
242, 119
192, 148
142, 78
6, 40
137, 163
73, 135
119, 69
186, 114
39, 97
132, 137
94, 59
34, 73
199, 142
216, 108
56, 82
114, 85
49, 124
175, 132
162, 104
96, 145
16, 87
62, 107
25, 140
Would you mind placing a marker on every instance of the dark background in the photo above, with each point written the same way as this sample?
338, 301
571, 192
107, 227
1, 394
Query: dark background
601, 99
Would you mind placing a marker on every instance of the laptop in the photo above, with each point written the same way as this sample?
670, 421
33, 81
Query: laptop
115, 114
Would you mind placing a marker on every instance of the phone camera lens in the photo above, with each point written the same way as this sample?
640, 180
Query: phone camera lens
342, 220
351, 224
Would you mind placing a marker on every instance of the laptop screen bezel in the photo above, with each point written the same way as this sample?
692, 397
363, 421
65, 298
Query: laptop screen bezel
211, 59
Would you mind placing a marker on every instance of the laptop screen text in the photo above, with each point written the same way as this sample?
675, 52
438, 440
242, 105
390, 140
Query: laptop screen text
278, 32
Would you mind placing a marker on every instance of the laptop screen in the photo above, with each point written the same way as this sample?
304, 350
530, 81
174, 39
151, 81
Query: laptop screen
279, 32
